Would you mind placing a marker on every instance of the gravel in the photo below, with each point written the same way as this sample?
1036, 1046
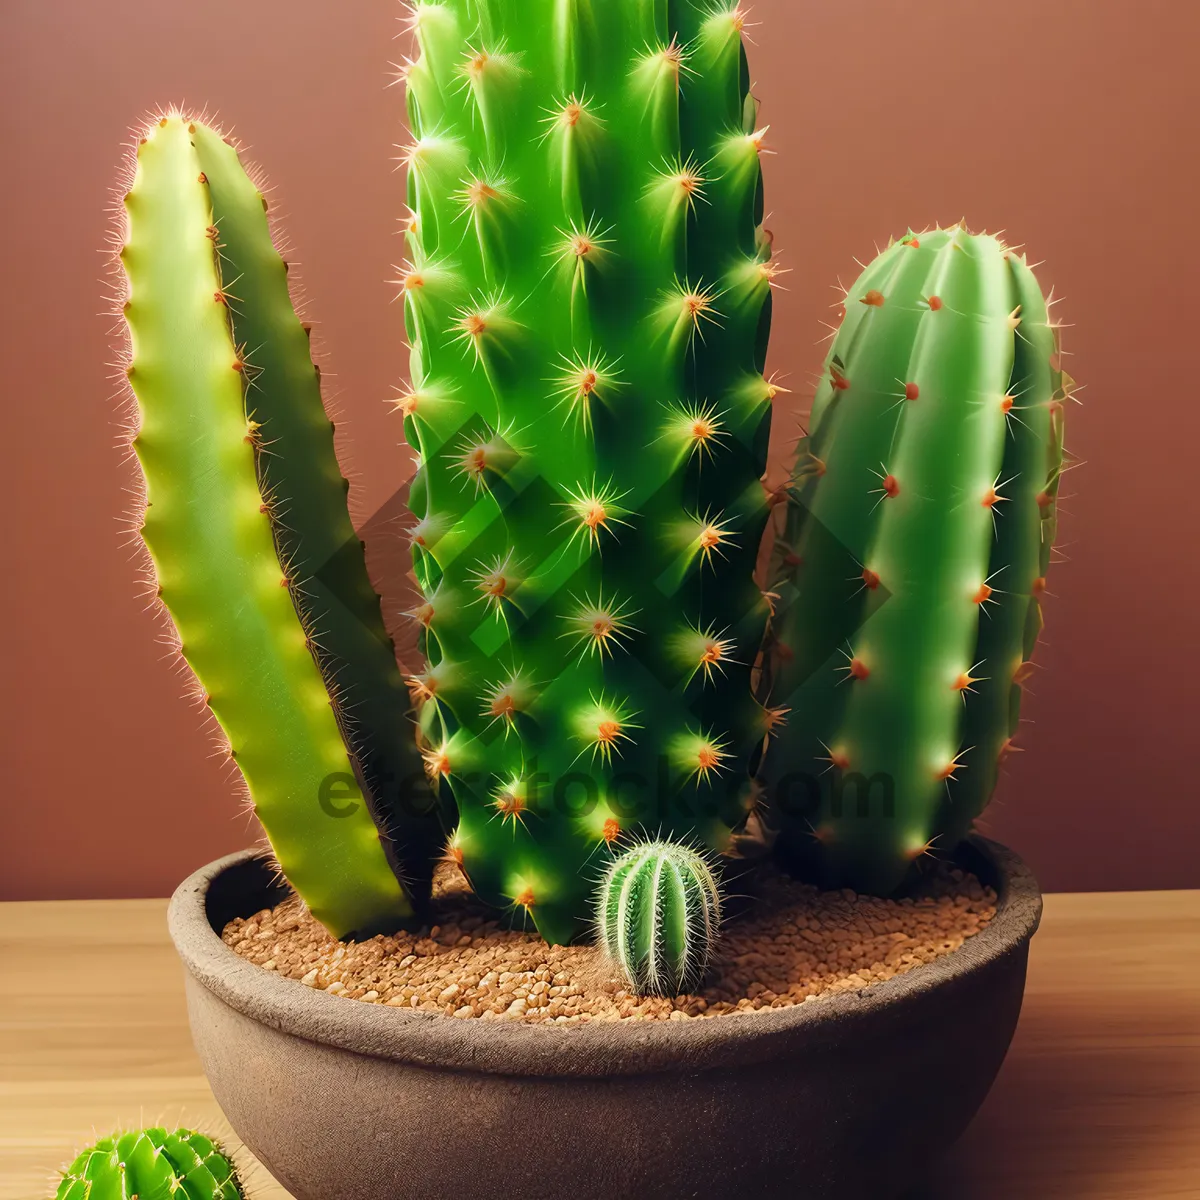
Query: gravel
795, 945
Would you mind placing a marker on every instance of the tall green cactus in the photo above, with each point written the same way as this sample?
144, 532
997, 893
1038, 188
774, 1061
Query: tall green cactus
208, 529
588, 302
914, 558
151, 1164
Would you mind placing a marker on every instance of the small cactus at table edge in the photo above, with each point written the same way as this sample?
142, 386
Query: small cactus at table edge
588, 303
912, 565
658, 915
264, 637
151, 1164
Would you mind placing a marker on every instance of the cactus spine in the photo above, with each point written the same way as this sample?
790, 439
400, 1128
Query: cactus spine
658, 911
209, 534
914, 558
588, 301
306, 496
151, 1164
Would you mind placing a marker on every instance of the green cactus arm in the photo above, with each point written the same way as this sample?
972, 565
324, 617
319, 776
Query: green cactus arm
151, 1164
914, 550
211, 543
587, 305
832, 512
305, 492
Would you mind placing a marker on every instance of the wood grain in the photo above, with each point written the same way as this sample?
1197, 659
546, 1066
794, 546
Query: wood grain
1099, 1098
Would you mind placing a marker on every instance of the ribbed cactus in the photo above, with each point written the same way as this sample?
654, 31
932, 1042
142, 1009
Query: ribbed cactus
151, 1164
658, 912
914, 558
588, 301
226, 393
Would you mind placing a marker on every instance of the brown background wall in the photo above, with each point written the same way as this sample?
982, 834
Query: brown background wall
1070, 123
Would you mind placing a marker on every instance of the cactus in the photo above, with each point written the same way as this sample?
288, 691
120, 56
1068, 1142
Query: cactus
658, 911
208, 529
151, 1164
913, 562
306, 495
588, 304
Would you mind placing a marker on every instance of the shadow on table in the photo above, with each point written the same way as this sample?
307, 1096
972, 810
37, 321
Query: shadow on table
1082, 1102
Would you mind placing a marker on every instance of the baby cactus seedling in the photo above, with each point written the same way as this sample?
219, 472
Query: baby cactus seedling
658, 911
912, 565
151, 1164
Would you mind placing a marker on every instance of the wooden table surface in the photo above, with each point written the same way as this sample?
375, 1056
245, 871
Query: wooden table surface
1099, 1098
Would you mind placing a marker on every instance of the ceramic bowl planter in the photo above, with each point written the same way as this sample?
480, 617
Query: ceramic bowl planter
847, 1097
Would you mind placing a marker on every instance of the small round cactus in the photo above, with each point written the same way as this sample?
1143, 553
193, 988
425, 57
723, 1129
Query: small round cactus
657, 915
151, 1164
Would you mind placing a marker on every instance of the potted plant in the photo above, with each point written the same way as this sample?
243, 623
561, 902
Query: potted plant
619, 734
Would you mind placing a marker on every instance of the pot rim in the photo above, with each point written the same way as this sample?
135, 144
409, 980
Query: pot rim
598, 1048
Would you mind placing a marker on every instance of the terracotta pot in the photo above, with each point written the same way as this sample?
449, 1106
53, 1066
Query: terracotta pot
847, 1097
